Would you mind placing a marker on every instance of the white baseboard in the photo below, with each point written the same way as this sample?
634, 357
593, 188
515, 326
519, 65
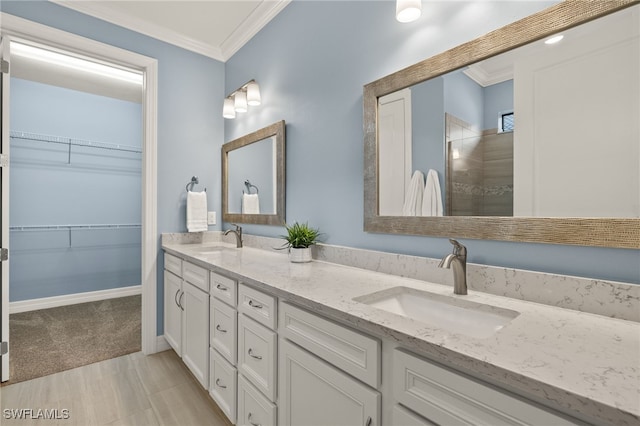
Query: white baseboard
72, 299
162, 344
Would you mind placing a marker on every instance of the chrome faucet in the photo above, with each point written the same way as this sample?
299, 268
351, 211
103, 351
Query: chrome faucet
458, 262
237, 232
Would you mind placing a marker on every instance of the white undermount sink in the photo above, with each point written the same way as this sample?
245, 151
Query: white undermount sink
449, 313
213, 250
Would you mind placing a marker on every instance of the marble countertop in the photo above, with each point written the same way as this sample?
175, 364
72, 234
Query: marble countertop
573, 360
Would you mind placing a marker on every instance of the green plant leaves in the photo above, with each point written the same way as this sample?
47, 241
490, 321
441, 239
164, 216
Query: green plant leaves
300, 235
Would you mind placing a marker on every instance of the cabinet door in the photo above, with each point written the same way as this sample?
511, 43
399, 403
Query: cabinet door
313, 393
195, 332
172, 311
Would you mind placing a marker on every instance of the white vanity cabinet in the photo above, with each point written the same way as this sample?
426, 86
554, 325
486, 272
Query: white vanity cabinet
324, 373
186, 314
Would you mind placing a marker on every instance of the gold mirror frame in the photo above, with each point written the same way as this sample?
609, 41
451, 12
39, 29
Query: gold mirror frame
277, 130
602, 232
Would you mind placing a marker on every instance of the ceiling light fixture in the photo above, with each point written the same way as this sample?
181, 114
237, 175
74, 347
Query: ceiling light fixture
553, 40
408, 10
79, 64
241, 98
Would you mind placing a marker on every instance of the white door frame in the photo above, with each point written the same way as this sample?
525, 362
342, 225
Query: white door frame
4, 266
24, 29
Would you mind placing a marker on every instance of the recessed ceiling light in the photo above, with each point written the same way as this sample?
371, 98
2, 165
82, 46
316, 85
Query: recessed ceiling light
554, 39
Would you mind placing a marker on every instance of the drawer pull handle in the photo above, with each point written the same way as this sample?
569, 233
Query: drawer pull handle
254, 305
180, 301
219, 385
221, 287
220, 329
254, 424
175, 298
252, 355
369, 421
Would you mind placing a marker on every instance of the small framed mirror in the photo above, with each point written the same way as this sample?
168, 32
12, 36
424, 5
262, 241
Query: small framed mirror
253, 177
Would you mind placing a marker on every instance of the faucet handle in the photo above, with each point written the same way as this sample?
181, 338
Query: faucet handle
238, 227
458, 249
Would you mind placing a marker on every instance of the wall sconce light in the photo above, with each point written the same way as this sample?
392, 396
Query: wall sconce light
239, 99
228, 110
408, 10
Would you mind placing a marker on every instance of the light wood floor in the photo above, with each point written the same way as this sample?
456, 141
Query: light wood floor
130, 390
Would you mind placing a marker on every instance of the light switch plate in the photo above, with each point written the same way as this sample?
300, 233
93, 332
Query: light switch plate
211, 218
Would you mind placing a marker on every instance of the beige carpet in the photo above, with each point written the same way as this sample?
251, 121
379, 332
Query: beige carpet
51, 340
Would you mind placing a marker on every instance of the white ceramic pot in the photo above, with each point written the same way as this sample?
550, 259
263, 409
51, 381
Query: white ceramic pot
300, 255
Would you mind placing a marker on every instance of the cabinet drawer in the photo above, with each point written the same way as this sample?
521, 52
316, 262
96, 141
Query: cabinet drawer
258, 305
444, 396
404, 417
253, 407
257, 355
173, 264
223, 329
196, 275
349, 350
223, 288
223, 384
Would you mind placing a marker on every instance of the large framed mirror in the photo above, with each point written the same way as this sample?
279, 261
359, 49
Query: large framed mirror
253, 177
511, 139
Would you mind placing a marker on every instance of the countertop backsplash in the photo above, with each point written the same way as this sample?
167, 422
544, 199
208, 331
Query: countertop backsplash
601, 297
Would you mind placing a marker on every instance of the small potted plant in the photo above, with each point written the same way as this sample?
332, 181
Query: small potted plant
299, 238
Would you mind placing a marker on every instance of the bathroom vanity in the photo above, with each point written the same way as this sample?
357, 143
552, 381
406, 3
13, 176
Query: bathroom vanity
322, 343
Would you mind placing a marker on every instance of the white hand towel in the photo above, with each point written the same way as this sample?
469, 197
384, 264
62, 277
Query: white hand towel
196, 211
413, 198
432, 199
250, 204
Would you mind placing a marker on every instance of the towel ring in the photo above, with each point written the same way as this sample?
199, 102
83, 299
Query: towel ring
194, 181
249, 186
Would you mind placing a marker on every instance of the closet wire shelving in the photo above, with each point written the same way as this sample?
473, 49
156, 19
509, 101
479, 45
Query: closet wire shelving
70, 142
70, 228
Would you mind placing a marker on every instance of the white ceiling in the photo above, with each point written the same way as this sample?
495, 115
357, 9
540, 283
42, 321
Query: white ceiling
214, 28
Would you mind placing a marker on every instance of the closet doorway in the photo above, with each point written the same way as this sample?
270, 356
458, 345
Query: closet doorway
82, 192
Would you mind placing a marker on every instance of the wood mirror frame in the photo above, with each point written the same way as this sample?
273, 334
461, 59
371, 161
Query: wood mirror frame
602, 232
278, 218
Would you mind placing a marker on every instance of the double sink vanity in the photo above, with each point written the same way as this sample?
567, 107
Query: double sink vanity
367, 338
321, 343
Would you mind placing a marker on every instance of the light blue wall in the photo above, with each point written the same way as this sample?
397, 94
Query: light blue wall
92, 186
498, 98
464, 98
427, 122
311, 62
190, 123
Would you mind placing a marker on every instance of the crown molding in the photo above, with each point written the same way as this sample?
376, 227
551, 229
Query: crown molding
261, 16
258, 18
486, 78
141, 26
